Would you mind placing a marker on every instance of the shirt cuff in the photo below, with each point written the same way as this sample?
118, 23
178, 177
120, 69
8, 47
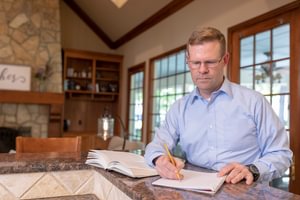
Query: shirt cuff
263, 171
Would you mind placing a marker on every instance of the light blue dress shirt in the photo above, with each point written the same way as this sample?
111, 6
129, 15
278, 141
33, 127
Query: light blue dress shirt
236, 125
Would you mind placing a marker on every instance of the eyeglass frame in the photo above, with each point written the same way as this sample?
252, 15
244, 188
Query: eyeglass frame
207, 63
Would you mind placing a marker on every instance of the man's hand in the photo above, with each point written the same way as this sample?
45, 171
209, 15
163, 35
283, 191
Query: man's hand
166, 169
236, 172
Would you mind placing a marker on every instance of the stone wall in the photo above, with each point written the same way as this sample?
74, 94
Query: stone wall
30, 35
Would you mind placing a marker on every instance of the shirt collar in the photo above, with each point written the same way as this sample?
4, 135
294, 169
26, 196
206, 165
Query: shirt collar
225, 88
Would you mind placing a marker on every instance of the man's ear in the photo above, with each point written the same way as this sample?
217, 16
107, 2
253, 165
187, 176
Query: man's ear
226, 58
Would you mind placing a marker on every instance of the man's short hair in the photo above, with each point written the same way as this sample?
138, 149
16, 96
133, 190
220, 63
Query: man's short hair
207, 34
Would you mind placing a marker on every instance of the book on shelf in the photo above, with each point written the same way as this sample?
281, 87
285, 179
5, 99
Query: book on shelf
129, 164
196, 181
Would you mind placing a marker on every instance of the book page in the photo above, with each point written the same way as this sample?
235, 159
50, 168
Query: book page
195, 181
98, 159
130, 164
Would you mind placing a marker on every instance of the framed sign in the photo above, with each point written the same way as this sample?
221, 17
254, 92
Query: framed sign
15, 77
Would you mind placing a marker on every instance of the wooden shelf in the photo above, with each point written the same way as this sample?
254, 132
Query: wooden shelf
98, 93
106, 69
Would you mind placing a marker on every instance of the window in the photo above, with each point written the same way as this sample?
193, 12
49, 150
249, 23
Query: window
265, 67
265, 59
136, 99
170, 80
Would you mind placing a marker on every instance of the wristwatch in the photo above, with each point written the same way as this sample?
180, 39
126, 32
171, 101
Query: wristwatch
154, 160
255, 172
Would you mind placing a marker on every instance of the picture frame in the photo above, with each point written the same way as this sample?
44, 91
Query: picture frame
15, 77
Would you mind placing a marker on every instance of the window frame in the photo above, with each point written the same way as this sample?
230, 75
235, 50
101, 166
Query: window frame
132, 70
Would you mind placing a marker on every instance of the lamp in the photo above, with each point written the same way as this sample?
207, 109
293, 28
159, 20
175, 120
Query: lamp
106, 125
119, 3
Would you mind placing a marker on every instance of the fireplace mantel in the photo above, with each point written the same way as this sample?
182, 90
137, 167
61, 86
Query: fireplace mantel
18, 97
54, 100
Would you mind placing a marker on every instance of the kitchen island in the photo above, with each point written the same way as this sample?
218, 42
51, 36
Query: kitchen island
64, 176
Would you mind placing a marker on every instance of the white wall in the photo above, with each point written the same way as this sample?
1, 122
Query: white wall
175, 30
75, 34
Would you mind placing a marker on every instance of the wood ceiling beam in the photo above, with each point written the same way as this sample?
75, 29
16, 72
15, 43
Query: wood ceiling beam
163, 13
90, 23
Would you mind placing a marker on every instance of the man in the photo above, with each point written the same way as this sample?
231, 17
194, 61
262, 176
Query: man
220, 125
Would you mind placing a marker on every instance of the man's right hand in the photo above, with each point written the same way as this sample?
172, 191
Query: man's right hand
166, 169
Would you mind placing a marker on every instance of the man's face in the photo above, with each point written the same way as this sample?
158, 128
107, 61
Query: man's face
207, 66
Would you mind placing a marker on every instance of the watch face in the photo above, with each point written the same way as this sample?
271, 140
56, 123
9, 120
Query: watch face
255, 172
253, 169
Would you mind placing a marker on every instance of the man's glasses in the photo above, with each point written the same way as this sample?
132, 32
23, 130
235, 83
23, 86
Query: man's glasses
207, 63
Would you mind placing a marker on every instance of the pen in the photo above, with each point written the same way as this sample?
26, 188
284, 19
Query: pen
172, 160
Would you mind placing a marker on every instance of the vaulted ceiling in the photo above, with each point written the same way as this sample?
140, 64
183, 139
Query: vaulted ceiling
116, 26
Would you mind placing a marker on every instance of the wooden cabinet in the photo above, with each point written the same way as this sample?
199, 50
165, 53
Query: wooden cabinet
91, 86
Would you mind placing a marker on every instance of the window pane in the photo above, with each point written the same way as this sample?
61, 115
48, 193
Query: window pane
163, 86
163, 105
263, 47
156, 87
139, 79
156, 105
172, 65
246, 51
262, 79
139, 96
281, 42
131, 112
280, 104
181, 62
246, 77
155, 122
164, 67
281, 77
157, 69
189, 85
132, 95
179, 83
171, 84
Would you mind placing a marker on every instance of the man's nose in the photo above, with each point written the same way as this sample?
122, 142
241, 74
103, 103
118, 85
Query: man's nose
203, 68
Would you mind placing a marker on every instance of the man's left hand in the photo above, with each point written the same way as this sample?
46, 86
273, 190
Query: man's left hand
236, 172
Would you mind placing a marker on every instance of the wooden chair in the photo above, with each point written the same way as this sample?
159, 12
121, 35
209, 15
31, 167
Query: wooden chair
43, 145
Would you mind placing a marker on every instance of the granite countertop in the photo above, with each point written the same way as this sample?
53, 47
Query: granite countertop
135, 188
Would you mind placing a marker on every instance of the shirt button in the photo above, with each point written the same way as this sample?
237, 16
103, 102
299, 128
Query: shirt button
210, 126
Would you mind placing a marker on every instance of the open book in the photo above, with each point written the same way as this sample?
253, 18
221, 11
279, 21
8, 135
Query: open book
194, 181
126, 163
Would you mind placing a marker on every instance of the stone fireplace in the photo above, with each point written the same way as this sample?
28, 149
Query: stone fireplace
30, 36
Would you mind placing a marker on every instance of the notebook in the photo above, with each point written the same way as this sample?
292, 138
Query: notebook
194, 181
